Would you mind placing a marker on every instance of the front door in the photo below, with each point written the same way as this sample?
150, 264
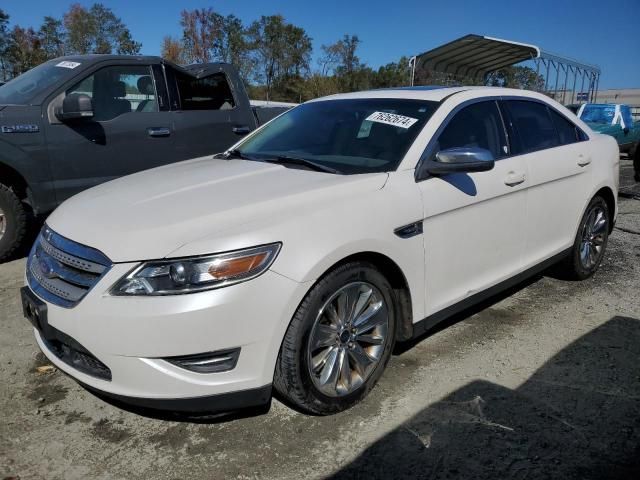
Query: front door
473, 223
129, 131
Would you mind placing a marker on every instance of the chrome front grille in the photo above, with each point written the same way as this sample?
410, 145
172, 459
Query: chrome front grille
62, 271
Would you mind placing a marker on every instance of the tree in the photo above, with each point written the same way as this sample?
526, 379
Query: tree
342, 59
172, 50
393, 74
4, 45
52, 37
516, 77
24, 51
280, 48
97, 30
199, 33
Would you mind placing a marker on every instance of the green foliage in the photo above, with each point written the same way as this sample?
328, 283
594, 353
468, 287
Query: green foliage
4, 45
516, 77
272, 55
80, 31
97, 30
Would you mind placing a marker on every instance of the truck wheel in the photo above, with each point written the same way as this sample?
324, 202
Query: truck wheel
590, 242
13, 222
636, 164
339, 340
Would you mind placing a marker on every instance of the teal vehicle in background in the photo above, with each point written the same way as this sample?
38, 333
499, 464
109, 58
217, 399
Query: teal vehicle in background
615, 120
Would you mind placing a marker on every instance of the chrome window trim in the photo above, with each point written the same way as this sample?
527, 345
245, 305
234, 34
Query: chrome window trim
499, 99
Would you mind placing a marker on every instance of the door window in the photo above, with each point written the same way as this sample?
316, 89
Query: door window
534, 127
478, 125
207, 93
567, 131
117, 90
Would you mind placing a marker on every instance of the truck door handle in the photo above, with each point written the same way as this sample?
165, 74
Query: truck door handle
514, 179
158, 131
241, 130
583, 161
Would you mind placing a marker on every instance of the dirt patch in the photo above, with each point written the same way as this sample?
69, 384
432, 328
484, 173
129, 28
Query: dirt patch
110, 432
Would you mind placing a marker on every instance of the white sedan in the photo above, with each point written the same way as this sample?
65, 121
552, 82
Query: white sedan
297, 259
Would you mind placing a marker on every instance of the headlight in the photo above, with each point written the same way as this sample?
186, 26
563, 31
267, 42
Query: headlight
194, 274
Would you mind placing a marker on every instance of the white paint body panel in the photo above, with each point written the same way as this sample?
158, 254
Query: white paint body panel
475, 236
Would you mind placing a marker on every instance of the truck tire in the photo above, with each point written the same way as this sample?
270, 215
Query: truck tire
13, 222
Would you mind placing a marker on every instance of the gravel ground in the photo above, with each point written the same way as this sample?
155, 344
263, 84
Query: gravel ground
541, 382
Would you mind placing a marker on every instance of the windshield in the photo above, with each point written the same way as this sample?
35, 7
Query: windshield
350, 136
22, 89
598, 114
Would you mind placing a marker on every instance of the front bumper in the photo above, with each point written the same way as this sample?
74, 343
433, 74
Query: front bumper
132, 335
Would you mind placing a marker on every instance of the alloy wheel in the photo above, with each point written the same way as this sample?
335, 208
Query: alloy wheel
594, 233
347, 339
3, 223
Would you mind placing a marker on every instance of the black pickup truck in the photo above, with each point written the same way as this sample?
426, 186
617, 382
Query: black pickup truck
74, 122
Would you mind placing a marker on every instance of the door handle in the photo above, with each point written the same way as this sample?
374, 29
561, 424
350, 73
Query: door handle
514, 179
583, 161
158, 131
241, 130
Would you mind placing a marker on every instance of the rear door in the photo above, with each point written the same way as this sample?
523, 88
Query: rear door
559, 166
130, 131
210, 112
474, 222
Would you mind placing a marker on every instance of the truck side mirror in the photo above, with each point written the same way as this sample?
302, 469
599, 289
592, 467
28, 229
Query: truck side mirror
75, 106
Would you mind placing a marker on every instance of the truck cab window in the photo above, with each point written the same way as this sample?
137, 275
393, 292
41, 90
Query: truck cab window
207, 93
117, 90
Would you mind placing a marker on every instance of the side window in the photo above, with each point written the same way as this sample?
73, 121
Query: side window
567, 131
117, 90
207, 93
478, 125
533, 125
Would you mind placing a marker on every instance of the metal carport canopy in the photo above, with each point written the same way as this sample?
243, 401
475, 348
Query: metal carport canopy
475, 55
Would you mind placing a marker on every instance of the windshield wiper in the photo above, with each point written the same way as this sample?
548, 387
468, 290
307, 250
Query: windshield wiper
235, 153
283, 159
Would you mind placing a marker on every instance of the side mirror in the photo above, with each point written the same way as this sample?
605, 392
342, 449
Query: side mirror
75, 106
461, 159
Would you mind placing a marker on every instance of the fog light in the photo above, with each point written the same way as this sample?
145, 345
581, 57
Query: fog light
211, 362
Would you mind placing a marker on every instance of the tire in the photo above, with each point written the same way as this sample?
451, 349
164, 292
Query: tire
636, 164
590, 242
13, 222
318, 321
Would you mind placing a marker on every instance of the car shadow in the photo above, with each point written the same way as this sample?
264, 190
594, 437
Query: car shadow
577, 417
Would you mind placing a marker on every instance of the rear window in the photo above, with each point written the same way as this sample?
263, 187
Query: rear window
534, 127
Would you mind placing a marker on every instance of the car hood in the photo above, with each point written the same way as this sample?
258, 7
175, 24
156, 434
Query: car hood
234, 203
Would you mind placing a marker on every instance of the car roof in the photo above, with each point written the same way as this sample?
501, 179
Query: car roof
434, 93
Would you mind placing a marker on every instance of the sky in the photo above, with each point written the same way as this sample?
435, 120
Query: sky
600, 32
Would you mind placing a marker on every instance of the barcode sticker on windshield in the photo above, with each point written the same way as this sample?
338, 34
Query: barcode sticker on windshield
392, 119
67, 64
